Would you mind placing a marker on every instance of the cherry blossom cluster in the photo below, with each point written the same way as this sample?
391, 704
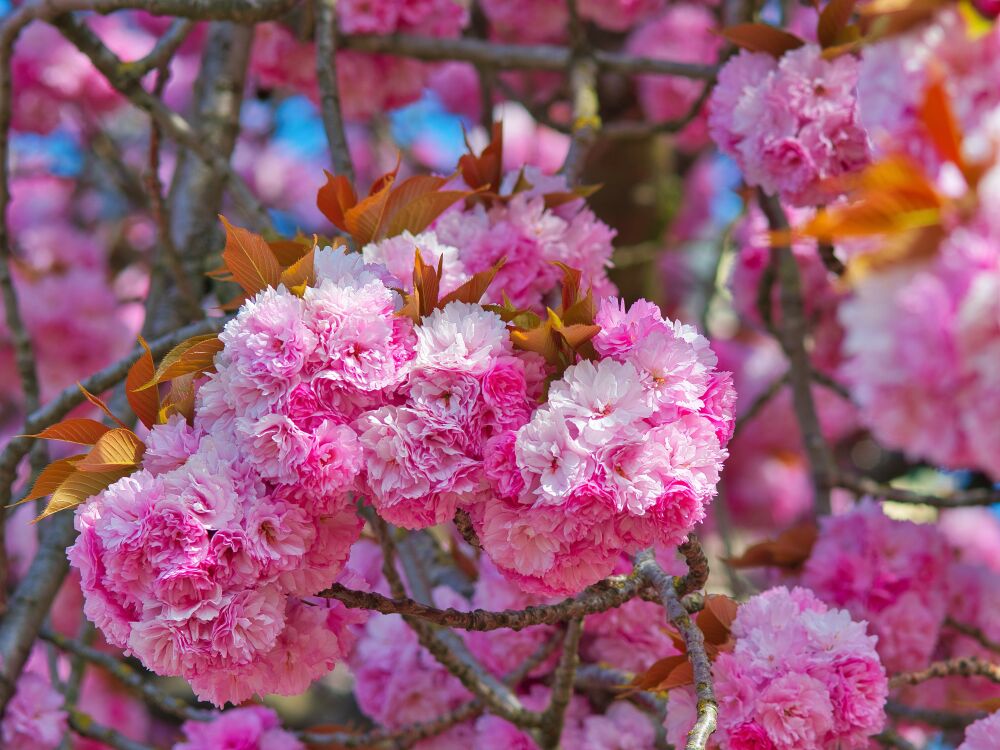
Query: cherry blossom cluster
895, 73
889, 573
34, 719
790, 124
799, 675
520, 229
199, 563
921, 350
249, 728
982, 735
626, 453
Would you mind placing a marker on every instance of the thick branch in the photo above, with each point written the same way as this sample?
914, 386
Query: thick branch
793, 335
329, 94
694, 641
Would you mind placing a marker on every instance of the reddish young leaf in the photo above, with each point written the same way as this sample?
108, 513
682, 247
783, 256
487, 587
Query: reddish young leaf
473, 290
664, 674
145, 402
335, 199
420, 212
554, 200
195, 355
715, 622
301, 274
938, 119
289, 252
364, 220
577, 335
486, 170
789, 550
833, 21
100, 405
180, 399
249, 258
81, 431
761, 37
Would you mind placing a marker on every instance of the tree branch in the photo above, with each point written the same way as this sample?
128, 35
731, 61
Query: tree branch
85, 726
961, 667
793, 337
694, 641
862, 485
117, 74
127, 676
329, 94
516, 56
608, 594
562, 686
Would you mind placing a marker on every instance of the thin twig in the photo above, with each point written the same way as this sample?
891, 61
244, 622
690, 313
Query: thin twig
164, 49
517, 56
161, 215
892, 738
973, 632
863, 485
116, 72
607, 594
562, 686
758, 404
128, 676
932, 717
329, 93
85, 726
960, 667
694, 641
793, 340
